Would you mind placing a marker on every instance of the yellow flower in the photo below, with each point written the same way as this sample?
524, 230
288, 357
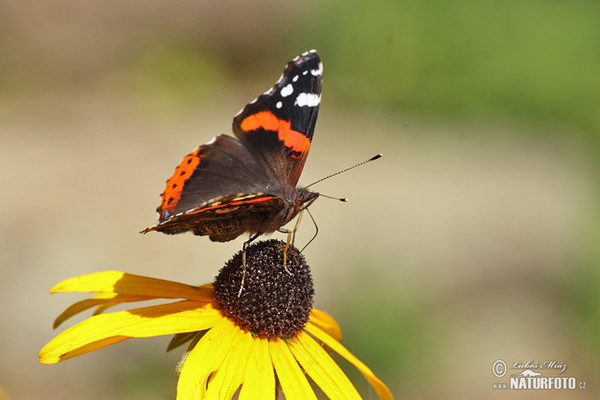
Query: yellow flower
235, 340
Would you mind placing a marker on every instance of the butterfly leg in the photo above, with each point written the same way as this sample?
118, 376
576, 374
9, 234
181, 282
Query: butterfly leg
296, 226
244, 247
287, 246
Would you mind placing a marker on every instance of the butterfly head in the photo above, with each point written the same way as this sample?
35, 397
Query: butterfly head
303, 199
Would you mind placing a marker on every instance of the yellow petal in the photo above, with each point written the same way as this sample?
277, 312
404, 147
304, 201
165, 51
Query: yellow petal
231, 374
96, 282
326, 322
293, 381
322, 369
382, 391
129, 284
204, 359
259, 380
164, 319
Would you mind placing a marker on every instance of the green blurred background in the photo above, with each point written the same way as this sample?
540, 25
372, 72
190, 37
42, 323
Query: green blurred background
475, 238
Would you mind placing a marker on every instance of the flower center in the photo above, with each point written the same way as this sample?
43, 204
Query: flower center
275, 302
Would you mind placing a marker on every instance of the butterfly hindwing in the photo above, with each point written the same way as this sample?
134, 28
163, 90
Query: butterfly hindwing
226, 218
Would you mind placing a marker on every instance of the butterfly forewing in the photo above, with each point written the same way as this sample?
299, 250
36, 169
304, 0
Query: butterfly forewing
278, 127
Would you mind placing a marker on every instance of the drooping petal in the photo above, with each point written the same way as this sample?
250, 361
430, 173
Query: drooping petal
204, 359
48, 357
103, 307
76, 308
380, 388
80, 306
180, 339
322, 369
326, 322
294, 384
129, 284
231, 374
259, 380
164, 319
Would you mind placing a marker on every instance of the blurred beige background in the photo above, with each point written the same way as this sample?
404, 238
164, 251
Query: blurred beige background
473, 239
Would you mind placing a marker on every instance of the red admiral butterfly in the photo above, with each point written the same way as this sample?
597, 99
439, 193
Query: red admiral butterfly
230, 186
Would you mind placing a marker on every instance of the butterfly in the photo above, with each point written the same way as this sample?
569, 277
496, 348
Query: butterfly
247, 183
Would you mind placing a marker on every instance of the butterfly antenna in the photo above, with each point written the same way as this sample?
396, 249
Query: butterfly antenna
375, 157
342, 199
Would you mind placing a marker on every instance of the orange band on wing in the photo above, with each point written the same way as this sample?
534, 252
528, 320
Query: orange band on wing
263, 119
185, 169
295, 140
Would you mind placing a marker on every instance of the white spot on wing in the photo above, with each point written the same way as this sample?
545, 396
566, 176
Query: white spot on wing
295, 79
287, 90
279, 104
318, 71
307, 100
